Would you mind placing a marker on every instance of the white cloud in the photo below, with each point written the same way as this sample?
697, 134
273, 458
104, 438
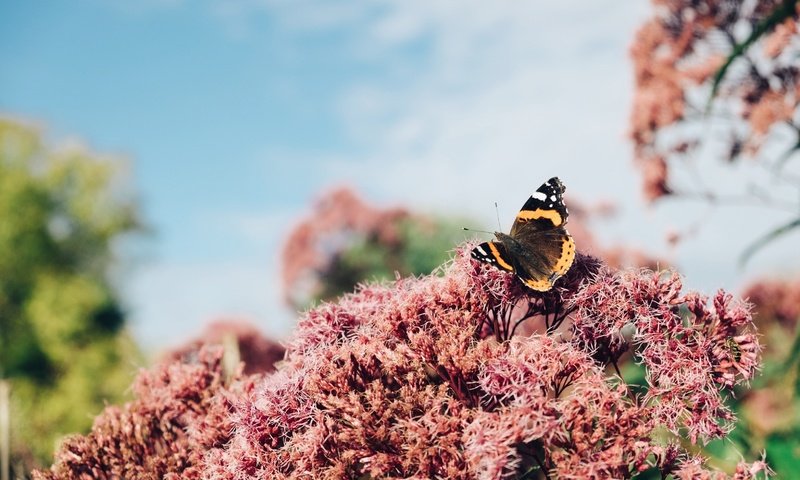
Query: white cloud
510, 94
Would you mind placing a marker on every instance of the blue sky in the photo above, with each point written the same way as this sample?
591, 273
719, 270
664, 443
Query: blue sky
199, 107
235, 114
223, 110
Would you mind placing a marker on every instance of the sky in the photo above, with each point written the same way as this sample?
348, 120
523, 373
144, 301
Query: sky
234, 116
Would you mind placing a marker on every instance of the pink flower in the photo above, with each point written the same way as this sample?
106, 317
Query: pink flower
432, 377
258, 353
690, 351
677, 54
179, 417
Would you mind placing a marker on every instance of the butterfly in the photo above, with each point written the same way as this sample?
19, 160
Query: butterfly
538, 249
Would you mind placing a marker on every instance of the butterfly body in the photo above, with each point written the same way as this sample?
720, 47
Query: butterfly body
538, 249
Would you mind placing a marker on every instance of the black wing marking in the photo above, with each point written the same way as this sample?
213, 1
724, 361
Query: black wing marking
493, 253
545, 209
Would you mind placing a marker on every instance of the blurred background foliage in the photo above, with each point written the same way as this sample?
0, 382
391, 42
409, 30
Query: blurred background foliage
346, 241
770, 412
64, 349
715, 114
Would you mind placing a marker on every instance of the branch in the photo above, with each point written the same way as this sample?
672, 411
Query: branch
783, 11
761, 242
781, 162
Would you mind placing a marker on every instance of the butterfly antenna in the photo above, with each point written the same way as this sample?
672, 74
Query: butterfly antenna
497, 211
473, 230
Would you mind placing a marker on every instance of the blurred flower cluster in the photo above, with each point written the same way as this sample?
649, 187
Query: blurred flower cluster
776, 300
257, 353
770, 411
742, 56
430, 378
584, 217
346, 241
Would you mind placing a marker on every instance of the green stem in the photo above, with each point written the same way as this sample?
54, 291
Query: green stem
783, 11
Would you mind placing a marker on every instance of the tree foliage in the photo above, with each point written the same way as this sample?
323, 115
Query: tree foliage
63, 347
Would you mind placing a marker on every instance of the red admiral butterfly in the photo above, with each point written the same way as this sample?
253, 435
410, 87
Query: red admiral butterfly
538, 249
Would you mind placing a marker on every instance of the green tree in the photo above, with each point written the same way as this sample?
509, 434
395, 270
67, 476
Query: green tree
64, 351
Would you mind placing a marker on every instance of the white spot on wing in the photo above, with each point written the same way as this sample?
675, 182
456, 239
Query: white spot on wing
539, 196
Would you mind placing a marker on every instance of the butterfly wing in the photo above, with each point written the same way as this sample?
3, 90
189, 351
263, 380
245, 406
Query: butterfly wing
542, 247
538, 249
544, 210
495, 254
544, 257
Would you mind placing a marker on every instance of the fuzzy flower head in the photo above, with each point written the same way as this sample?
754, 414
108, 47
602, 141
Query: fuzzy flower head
179, 417
436, 377
691, 350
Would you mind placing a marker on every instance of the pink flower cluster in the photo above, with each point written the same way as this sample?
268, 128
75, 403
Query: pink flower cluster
676, 55
433, 377
180, 413
340, 216
257, 353
690, 350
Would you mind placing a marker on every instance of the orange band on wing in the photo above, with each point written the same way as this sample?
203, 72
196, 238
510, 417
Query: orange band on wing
567, 256
538, 285
537, 214
500, 260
